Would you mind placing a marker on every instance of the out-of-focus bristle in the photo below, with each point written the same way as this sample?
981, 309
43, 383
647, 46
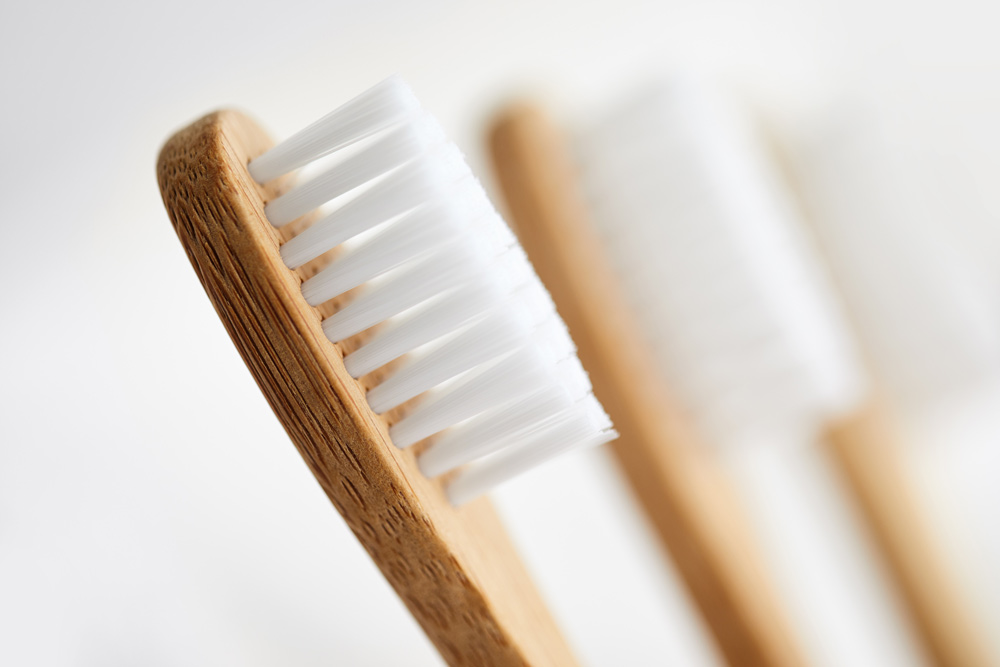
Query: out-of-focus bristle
930, 327
742, 320
442, 273
507, 463
508, 423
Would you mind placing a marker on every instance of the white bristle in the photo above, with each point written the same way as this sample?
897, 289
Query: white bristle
483, 475
382, 106
418, 232
394, 195
403, 289
390, 151
744, 325
437, 267
446, 314
476, 345
929, 324
573, 376
490, 432
468, 398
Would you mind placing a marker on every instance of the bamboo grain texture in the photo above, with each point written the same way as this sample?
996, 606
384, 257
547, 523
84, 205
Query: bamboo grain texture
455, 569
674, 476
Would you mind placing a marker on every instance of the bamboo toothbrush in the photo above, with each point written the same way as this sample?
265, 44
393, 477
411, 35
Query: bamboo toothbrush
929, 329
747, 333
406, 315
672, 473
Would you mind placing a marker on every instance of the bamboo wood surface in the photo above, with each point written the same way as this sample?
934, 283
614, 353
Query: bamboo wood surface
674, 477
455, 569
866, 449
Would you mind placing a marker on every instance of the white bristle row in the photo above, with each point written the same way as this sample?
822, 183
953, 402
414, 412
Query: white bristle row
402, 290
417, 233
429, 322
393, 150
458, 353
929, 324
744, 326
387, 104
507, 463
472, 395
492, 431
394, 195
424, 254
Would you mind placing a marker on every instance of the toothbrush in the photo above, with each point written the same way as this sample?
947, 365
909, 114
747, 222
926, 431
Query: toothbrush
929, 329
688, 501
403, 341
748, 333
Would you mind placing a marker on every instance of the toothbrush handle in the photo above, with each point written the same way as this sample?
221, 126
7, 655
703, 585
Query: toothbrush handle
866, 449
455, 569
673, 476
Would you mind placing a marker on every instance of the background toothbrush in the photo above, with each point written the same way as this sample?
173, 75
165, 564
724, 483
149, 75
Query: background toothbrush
444, 274
929, 329
690, 505
745, 330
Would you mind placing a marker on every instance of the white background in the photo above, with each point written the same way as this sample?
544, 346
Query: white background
151, 509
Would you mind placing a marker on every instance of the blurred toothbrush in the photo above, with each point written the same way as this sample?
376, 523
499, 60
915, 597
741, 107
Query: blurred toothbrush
929, 324
752, 334
741, 320
690, 505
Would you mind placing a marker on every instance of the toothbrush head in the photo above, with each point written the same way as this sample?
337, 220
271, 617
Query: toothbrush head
434, 292
743, 322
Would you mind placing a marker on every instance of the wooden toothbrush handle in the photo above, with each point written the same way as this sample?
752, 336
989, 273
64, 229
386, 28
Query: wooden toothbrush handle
867, 451
674, 477
455, 569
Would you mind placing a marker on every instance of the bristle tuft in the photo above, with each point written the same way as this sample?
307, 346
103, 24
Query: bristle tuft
379, 108
430, 260
727, 289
